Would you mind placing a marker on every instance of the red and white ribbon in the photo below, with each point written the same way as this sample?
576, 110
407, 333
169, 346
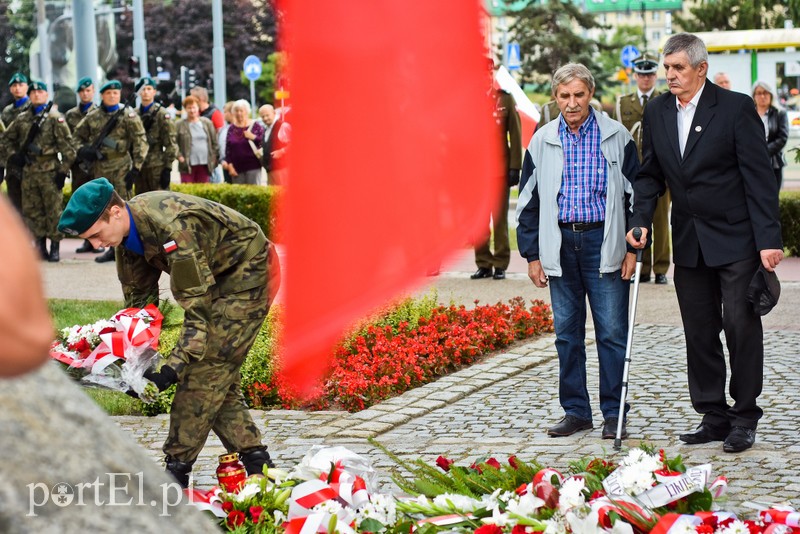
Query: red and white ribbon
135, 327
676, 523
206, 500
790, 518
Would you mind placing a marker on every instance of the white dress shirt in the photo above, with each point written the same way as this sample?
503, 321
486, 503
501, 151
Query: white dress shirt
686, 116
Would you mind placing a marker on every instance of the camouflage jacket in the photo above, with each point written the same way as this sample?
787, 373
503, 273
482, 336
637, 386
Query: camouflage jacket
74, 116
209, 251
10, 112
160, 131
126, 137
52, 140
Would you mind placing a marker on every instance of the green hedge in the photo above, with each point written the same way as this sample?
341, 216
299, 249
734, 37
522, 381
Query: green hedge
255, 202
790, 221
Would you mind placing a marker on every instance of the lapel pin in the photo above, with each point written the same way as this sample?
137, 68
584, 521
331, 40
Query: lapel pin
697, 128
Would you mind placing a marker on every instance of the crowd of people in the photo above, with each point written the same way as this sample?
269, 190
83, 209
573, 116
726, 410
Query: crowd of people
134, 147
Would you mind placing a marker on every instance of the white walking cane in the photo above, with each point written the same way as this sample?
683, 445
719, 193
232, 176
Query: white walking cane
637, 234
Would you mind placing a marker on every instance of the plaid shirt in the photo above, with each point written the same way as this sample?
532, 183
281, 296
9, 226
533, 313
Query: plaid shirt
582, 197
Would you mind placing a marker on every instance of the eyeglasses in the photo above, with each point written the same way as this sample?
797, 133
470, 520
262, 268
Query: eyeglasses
761, 93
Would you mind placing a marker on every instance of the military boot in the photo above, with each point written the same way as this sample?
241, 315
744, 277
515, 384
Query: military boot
87, 247
254, 460
55, 255
108, 255
41, 244
179, 470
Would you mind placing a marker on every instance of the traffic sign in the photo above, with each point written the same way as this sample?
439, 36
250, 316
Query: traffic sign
628, 54
252, 68
514, 62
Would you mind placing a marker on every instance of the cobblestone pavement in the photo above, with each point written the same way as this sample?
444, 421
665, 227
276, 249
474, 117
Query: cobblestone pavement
504, 405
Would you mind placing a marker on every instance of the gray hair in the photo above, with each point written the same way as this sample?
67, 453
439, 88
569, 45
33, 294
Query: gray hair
572, 71
694, 47
765, 86
241, 104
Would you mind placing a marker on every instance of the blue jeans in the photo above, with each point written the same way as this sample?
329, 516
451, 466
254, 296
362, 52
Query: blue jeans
608, 298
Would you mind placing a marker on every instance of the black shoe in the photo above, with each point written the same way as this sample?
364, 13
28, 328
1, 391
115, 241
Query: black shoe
54, 256
179, 470
87, 247
568, 426
661, 279
41, 245
482, 272
610, 428
499, 274
108, 255
704, 434
254, 460
740, 439
642, 279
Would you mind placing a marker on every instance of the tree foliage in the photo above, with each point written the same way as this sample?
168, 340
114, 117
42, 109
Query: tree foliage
181, 33
544, 31
609, 59
711, 15
17, 30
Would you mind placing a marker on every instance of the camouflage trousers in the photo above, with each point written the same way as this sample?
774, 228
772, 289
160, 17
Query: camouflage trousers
14, 187
79, 177
209, 395
115, 171
41, 204
149, 180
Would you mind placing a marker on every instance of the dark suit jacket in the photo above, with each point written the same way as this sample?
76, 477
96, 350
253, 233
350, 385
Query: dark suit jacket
724, 193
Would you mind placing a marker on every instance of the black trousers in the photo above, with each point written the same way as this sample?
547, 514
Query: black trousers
713, 299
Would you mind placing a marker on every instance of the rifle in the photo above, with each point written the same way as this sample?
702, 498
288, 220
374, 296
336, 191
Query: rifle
21, 158
85, 164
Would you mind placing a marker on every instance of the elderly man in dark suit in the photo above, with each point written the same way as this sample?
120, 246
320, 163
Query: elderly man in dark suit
707, 145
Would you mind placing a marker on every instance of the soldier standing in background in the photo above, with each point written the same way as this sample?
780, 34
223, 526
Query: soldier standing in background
73, 117
160, 132
223, 272
122, 152
18, 86
510, 139
629, 111
37, 155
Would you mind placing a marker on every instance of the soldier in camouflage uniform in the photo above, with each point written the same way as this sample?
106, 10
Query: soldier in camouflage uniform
73, 117
160, 130
629, 111
44, 173
223, 272
18, 85
123, 150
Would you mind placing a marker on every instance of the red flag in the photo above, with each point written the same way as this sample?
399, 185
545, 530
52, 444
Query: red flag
394, 160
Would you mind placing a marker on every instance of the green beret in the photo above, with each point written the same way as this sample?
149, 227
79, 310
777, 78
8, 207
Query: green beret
17, 77
110, 84
85, 206
83, 83
36, 85
147, 80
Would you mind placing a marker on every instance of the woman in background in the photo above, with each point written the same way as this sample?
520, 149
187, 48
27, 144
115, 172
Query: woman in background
776, 126
242, 146
197, 144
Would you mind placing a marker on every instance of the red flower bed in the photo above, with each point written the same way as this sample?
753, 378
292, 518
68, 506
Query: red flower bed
382, 362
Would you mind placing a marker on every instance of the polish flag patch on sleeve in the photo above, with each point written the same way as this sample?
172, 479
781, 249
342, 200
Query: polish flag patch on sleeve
170, 246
